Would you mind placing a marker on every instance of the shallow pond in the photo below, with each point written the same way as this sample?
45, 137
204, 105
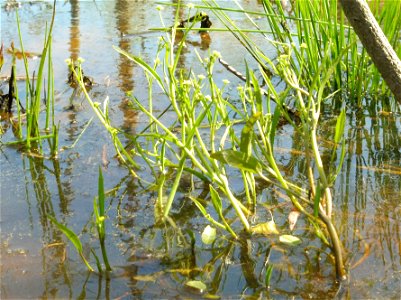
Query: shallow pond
154, 261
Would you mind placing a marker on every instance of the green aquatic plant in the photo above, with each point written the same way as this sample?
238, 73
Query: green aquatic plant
34, 93
73, 238
209, 138
253, 153
99, 220
98, 208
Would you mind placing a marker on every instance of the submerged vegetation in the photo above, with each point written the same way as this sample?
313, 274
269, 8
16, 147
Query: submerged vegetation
215, 144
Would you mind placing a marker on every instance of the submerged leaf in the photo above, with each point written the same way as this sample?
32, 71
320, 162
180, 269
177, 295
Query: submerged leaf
196, 284
289, 239
238, 160
208, 235
265, 228
145, 278
185, 271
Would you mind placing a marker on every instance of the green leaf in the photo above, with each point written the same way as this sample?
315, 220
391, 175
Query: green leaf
269, 272
216, 200
316, 201
101, 193
340, 125
196, 284
208, 235
274, 125
289, 239
68, 233
247, 135
238, 160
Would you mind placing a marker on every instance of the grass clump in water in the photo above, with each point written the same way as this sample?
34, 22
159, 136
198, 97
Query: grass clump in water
30, 114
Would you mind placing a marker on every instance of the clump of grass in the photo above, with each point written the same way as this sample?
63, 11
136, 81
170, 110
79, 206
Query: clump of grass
30, 116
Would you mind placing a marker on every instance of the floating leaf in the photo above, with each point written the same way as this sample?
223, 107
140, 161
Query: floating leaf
238, 160
289, 239
265, 228
196, 284
208, 235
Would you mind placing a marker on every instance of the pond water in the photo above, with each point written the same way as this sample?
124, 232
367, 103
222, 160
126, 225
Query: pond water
154, 261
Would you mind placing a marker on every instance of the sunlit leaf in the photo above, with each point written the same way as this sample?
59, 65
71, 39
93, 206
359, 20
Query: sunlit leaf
238, 160
216, 200
289, 239
340, 126
208, 235
73, 239
196, 284
68, 233
265, 228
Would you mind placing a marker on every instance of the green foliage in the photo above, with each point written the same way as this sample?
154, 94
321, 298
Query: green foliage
74, 239
98, 208
99, 220
34, 94
317, 57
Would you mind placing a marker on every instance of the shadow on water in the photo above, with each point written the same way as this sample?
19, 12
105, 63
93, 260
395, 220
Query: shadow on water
152, 260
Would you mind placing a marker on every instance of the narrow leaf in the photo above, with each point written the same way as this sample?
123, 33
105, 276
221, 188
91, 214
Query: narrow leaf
68, 233
247, 135
101, 193
216, 200
340, 125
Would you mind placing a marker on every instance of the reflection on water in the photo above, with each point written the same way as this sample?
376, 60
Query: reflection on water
153, 261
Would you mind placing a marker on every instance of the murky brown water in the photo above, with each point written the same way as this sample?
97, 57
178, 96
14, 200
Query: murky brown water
151, 261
